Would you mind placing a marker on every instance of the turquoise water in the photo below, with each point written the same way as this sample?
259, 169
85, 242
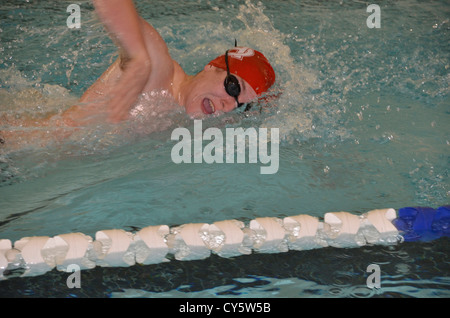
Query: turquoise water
363, 117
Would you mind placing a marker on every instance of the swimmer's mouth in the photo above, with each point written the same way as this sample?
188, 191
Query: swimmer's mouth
208, 106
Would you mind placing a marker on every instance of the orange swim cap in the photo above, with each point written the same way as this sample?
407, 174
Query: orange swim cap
250, 65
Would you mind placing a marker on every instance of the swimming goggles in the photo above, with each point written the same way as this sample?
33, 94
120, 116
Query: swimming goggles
232, 86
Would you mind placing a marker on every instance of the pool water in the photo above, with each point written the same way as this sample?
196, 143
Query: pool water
363, 116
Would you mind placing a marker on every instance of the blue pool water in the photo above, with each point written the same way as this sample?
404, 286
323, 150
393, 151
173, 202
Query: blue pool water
363, 116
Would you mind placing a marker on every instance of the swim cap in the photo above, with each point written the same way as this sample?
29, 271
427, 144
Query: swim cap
250, 65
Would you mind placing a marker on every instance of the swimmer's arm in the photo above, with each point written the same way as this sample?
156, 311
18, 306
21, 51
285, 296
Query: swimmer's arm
123, 23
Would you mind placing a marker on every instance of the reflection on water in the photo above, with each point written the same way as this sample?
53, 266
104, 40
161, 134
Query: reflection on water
407, 270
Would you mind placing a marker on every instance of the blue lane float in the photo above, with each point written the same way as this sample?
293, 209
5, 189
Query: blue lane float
36, 255
423, 223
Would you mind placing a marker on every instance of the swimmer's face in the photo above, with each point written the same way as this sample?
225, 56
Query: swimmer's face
208, 96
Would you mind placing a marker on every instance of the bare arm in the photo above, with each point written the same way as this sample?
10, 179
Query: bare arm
123, 23
144, 63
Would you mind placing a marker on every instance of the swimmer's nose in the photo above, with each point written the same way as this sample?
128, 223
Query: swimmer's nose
229, 104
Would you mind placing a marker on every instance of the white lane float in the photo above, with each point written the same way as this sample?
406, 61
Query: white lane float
229, 238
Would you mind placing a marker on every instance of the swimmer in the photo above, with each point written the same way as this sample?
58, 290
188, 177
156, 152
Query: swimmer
231, 80
237, 77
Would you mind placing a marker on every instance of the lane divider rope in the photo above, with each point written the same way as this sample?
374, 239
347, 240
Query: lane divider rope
37, 255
